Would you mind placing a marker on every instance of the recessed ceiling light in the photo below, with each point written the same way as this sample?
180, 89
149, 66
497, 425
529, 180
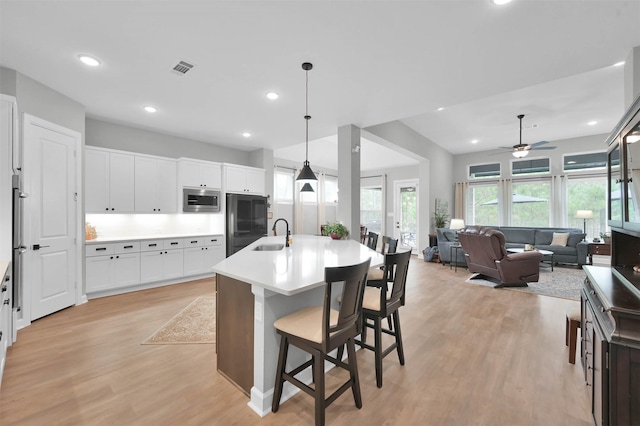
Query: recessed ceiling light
592, 123
246, 134
272, 95
618, 64
474, 141
150, 108
89, 60
500, 2
440, 109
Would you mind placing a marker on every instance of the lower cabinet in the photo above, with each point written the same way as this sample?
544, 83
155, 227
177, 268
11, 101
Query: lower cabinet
161, 265
112, 266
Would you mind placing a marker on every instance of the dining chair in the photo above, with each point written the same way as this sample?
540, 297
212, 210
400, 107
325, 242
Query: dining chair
389, 245
380, 302
371, 240
320, 329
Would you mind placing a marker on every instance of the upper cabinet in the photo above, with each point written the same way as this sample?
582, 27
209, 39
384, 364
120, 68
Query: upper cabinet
624, 171
119, 182
243, 180
109, 181
155, 185
194, 173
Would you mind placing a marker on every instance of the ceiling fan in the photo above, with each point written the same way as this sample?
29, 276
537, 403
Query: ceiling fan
521, 150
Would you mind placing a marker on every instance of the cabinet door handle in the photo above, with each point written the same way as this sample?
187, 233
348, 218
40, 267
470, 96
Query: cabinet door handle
194, 241
127, 247
152, 245
101, 249
174, 244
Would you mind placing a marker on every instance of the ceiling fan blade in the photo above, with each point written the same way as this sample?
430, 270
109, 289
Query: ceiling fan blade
540, 148
539, 143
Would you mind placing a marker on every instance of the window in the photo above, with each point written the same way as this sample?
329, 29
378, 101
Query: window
484, 171
588, 194
530, 205
482, 205
283, 191
371, 203
528, 167
594, 160
331, 189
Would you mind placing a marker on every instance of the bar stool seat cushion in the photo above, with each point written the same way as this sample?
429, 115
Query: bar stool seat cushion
375, 274
371, 299
306, 323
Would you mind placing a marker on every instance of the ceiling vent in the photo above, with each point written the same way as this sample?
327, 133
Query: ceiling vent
182, 68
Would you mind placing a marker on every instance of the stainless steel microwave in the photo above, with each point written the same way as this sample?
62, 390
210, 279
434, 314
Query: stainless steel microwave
200, 200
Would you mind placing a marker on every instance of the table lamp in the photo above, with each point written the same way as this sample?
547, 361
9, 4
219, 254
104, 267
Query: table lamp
455, 225
584, 215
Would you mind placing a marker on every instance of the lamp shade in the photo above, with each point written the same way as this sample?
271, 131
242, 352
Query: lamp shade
456, 224
584, 214
307, 188
306, 174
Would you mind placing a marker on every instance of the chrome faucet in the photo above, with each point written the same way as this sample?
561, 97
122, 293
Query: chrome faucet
286, 237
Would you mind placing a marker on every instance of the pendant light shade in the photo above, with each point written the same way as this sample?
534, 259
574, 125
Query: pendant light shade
307, 187
306, 174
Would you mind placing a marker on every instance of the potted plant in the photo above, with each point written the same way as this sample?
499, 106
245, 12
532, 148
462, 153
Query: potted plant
440, 219
606, 237
337, 231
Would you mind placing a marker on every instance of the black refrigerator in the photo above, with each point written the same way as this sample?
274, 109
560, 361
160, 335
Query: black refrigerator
246, 220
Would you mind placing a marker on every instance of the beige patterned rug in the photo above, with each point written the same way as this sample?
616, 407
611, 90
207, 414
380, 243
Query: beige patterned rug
194, 324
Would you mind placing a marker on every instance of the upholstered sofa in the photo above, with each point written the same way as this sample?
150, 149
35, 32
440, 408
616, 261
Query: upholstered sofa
575, 251
486, 253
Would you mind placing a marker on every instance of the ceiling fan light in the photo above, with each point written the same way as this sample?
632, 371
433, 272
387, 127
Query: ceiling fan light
520, 154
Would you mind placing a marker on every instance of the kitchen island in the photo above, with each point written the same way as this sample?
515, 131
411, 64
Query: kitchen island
256, 287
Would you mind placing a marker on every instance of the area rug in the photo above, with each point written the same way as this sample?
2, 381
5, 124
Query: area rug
194, 324
563, 282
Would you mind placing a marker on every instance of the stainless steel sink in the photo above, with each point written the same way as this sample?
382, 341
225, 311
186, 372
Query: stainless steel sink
269, 247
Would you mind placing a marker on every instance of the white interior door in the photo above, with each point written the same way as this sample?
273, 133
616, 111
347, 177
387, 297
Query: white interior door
50, 179
406, 213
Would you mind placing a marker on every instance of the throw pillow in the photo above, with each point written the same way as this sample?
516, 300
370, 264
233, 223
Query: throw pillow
574, 239
560, 239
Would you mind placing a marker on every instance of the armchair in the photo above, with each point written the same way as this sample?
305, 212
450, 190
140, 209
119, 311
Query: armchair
486, 254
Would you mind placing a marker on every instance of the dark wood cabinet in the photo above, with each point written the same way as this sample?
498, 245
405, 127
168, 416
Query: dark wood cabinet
611, 346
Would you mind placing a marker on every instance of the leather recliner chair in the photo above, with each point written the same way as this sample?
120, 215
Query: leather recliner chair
485, 253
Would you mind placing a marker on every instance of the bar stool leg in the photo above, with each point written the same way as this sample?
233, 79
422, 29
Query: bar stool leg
571, 336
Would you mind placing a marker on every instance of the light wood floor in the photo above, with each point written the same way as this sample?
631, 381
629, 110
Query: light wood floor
474, 356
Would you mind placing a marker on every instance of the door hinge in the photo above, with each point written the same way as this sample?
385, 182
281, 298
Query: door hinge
75, 196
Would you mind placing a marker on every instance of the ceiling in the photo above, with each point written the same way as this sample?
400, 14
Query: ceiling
374, 62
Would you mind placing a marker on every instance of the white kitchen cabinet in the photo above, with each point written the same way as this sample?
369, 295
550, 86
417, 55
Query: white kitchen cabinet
201, 253
155, 185
110, 266
195, 173
161, 260
6, 326
244, 180
109, 181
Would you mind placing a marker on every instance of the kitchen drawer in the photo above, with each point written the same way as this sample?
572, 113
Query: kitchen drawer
193, 242
215, 240
173, 243
151, 245
99, 249
127, 247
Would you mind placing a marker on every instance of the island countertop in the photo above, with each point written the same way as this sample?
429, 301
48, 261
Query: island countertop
295, 269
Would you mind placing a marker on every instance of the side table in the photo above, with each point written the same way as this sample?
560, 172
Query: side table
602, 249
453, 248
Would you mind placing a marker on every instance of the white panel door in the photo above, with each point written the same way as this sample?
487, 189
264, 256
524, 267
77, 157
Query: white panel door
51, 215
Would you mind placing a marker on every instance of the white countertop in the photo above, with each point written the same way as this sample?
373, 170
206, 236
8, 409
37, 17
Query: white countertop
297, 268
102, 240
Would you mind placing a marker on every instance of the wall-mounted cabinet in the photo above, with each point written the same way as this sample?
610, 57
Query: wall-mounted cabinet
243, 180
109, 181
156, 188
194, 173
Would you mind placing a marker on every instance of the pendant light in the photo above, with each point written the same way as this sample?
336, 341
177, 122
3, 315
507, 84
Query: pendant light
306, 174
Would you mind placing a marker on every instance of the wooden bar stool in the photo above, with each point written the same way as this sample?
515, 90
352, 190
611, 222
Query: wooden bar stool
571, 334
319, 330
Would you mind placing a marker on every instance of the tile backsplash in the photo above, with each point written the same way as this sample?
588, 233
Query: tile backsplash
138, 225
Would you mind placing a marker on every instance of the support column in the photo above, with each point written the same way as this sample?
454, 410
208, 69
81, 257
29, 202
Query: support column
349, 179
632, 77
